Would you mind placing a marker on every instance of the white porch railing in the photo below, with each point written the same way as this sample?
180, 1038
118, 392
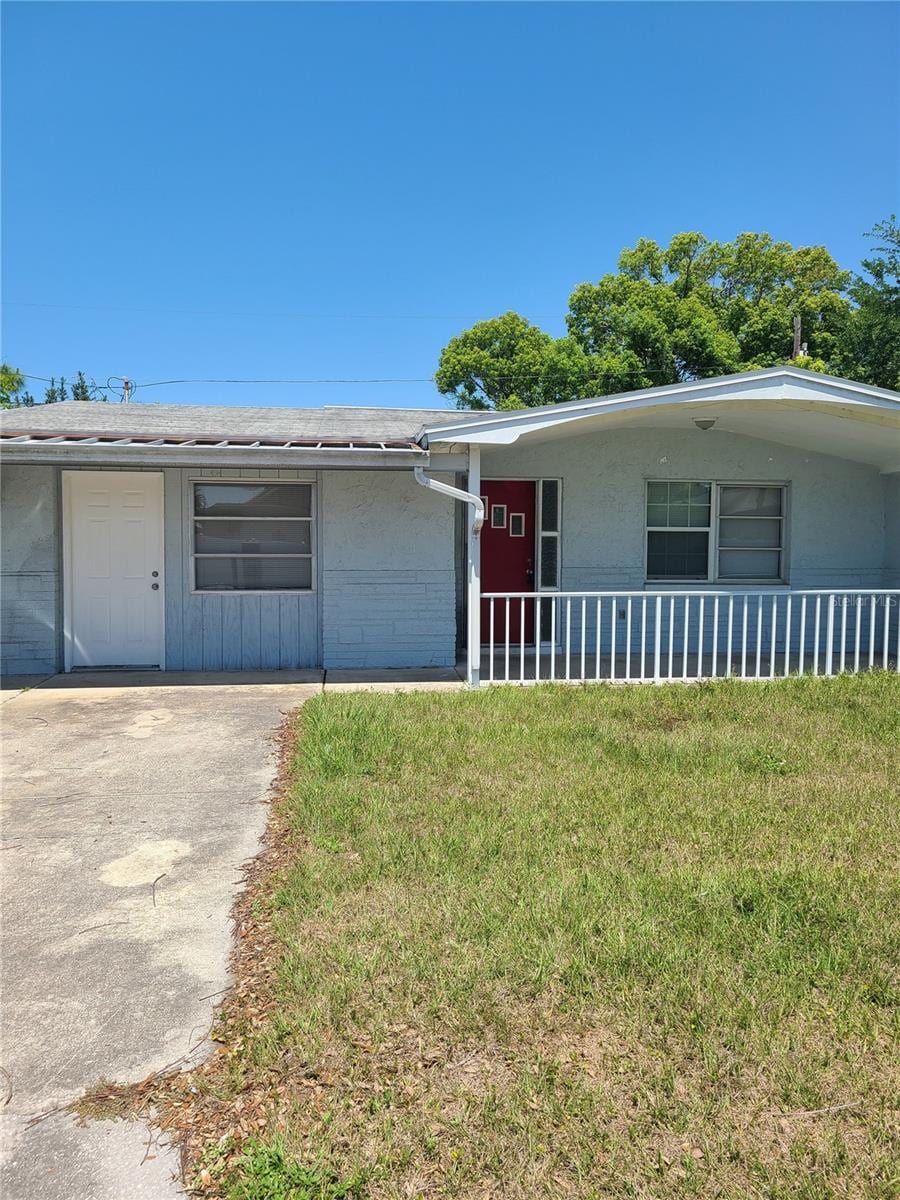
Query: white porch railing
657, 636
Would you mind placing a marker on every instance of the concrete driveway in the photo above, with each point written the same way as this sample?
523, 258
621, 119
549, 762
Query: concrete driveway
129, 804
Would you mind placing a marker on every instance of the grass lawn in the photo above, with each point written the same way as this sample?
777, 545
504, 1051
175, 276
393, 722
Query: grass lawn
552, 942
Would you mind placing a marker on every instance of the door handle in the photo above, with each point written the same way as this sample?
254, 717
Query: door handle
154, 587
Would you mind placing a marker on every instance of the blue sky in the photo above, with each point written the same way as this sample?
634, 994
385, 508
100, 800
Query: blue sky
286, 191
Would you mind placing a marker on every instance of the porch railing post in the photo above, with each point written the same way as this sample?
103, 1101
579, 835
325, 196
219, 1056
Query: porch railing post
823, 643
829, 638
473, 639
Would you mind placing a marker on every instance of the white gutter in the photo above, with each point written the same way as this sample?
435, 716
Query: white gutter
107, 454
473, 573
456, 493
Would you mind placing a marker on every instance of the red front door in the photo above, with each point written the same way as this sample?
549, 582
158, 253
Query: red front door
507, 556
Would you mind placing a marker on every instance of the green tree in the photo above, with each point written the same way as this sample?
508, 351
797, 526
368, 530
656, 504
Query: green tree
81, 389
507, 362
13, 394
12, 388
690, 310
871, 345
698, 308
56, 392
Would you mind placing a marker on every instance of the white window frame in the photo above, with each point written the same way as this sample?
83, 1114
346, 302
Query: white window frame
541, 533
512, 517
712, 530
498, 508
312, 520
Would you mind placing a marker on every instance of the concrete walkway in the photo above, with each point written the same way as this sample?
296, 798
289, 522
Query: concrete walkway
129, 804
429, 679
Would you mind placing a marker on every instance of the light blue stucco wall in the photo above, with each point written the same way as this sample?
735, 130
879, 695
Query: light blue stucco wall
384, 594
892, 531
842, 524
836, 508
385, 585
29, 569
388, 581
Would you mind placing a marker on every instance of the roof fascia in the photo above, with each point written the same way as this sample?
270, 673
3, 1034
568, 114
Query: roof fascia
207, 457
771, 384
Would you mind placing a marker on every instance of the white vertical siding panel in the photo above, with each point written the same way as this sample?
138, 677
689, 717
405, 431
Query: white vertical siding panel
212, 633
193, 634
269, 632
231, 633
250, 633
289, 642
216, 632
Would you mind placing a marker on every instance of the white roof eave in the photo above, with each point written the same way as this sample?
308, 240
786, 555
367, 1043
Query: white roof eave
790, 384
85, 451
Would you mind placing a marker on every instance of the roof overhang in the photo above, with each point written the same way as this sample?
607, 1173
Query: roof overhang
800, 408
203, 451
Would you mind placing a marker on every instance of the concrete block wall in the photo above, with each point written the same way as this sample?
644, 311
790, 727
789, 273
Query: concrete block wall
29, 570
386, 588
388, 583
836, 527
892, 531
389, 618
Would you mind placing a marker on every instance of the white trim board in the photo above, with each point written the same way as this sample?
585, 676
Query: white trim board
747, 401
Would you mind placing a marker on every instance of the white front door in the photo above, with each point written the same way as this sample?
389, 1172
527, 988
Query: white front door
114, 568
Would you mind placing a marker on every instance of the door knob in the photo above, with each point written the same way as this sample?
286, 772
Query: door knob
155, 574
155, 587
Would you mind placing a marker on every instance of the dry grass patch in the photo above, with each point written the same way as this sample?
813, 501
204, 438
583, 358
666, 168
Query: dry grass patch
600, 942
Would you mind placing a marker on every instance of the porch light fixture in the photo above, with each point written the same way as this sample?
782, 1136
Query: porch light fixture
704, 422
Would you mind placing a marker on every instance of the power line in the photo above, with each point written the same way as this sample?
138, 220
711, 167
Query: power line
122, 386
256, 382
638, 374
130, 386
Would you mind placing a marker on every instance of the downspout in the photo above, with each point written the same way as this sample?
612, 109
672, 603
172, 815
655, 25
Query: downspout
457, 493
473, 590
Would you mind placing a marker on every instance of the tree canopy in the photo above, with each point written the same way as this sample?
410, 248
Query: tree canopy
693, 309
872, 344
509, 363
12, 388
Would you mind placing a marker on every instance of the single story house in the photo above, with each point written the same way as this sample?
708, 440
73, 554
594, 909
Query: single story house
748, 524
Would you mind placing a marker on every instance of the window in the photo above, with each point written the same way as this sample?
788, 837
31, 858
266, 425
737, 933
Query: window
516, 524
498, 516
702, 531
750, 544
253, 537
678, 527
549, 539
